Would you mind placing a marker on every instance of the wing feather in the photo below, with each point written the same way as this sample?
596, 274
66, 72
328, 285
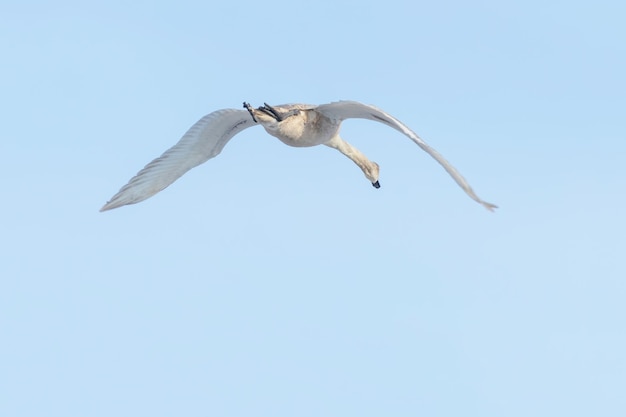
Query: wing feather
203, 141
342, 110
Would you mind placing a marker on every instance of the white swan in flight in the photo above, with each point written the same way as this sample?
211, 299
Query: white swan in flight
297, 125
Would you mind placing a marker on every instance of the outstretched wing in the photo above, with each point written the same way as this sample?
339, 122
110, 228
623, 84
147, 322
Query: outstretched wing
342, 110
203, 141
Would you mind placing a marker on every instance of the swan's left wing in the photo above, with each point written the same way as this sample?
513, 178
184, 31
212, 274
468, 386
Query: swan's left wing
203, 141
342, 110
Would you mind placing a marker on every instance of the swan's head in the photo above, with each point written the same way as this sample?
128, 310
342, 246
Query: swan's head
371, 171
266, 114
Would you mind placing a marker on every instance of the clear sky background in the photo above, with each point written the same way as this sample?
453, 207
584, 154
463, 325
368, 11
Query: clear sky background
275, 281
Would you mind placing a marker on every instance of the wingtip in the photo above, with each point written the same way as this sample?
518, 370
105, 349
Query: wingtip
108, 206
491, 207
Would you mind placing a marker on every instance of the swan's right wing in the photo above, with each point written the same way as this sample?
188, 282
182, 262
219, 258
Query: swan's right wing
341, 110
203, 141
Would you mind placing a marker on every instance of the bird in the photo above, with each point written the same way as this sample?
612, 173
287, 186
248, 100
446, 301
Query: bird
298, 125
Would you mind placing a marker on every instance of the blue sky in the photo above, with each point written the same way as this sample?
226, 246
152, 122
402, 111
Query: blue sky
277, 281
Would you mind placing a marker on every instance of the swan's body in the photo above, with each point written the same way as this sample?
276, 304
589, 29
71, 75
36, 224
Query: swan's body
297, 125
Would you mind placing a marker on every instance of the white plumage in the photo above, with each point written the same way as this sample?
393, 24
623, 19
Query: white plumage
298, 125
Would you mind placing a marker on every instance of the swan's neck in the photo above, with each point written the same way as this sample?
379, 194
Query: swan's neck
369, 168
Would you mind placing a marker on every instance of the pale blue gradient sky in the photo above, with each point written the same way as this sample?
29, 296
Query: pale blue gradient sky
275, 281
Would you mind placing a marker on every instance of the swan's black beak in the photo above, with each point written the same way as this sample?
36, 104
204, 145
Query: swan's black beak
248, 107
376, 184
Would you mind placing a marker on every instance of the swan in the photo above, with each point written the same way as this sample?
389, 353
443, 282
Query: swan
298, 125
